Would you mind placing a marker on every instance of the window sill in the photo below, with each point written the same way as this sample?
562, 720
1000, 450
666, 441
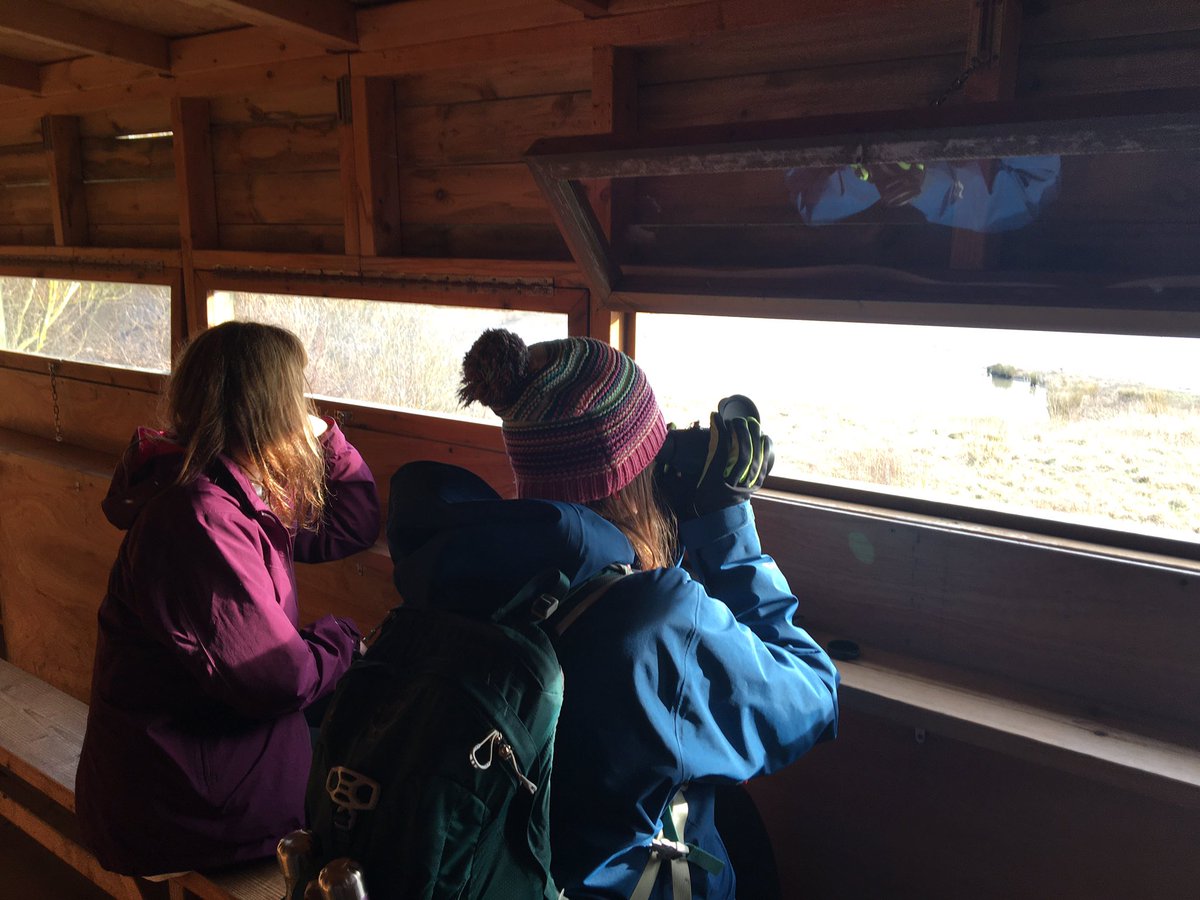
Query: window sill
1035, 727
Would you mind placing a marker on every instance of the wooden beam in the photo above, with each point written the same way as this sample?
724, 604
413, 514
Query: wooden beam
20, 74
614, 111
76, 30
994, 40
197, 195
581, 230
349, 168
590, 8
331, 23
1133, 122
64, 164
370, 139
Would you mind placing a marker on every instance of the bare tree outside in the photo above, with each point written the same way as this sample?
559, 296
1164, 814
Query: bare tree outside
104, 322
405, 355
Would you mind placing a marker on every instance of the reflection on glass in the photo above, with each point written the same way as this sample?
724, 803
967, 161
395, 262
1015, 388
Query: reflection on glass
976, 195
1101, 429
391, 354
109, 323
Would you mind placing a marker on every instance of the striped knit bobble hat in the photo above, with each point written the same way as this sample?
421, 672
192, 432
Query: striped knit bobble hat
579, 418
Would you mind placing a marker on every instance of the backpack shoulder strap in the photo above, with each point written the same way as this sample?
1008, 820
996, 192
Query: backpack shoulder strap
545, 599
578, 601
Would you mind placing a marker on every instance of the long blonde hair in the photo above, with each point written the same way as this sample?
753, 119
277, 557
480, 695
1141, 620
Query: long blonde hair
642, 516
238, 389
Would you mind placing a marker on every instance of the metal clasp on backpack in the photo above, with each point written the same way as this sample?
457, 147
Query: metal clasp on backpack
352, 792
496, 745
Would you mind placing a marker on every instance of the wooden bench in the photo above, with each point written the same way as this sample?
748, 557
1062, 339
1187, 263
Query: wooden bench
41, 735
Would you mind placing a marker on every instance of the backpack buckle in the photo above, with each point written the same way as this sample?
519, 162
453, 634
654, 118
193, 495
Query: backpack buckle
352, 792
543, 607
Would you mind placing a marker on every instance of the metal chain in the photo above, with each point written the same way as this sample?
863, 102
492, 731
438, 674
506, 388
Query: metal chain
957, 83
58, 434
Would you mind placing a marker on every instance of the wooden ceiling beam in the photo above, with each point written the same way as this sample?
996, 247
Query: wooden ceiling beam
82, 32
590, 8
20, 74
331, 23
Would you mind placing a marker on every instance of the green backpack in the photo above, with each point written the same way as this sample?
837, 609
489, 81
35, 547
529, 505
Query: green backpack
432, 768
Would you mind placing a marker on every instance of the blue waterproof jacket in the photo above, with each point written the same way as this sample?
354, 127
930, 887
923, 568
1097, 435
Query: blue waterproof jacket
671, 678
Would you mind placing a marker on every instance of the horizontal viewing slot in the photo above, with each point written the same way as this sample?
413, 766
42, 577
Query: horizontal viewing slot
109, 323
1094, 429
400, 355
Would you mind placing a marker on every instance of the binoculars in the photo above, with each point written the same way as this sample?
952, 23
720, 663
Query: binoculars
684, 451
340, 879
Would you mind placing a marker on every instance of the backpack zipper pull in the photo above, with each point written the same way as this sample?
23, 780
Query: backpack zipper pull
507, 754
496, 745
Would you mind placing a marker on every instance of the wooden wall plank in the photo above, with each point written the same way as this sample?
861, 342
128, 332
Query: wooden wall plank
128, 118
107, 159
132, 202
20, 131
94, 416
422, 21
472, 195
980, 602
299, 238
25, 204
279, 198
964, 822
162, 235
26, 235
23, 165
881, 85
276, 103
843, 37
548, 72
20, 75
50, 609
1108, 66
488, 131
309, 145
1068, 21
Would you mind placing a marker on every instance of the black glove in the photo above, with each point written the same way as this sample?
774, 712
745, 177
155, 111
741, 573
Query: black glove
738, 458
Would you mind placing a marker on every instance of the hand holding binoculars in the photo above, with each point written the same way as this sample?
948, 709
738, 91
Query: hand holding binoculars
699, 470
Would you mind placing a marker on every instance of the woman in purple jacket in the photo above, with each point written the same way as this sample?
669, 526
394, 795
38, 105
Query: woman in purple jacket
197, 750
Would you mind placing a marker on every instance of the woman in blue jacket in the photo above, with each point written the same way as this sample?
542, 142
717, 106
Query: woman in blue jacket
677, 677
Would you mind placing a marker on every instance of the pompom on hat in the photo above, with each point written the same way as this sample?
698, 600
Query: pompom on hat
580, 420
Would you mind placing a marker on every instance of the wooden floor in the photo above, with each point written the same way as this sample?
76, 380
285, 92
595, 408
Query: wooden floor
28, 870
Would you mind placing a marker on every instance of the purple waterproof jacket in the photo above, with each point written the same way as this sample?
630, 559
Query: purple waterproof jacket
197, 752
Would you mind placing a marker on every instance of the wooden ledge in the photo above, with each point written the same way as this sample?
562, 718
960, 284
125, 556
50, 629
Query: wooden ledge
1039, 729
41, 733
70, 456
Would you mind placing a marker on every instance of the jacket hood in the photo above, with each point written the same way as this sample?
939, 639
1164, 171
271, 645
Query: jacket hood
149, 466
455, 544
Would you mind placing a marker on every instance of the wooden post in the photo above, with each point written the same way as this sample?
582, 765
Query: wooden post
614, 111
370, 158
994, 38
64, 163
196, 187
349, 169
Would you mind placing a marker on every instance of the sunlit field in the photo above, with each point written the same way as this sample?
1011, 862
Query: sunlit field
1101, 429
